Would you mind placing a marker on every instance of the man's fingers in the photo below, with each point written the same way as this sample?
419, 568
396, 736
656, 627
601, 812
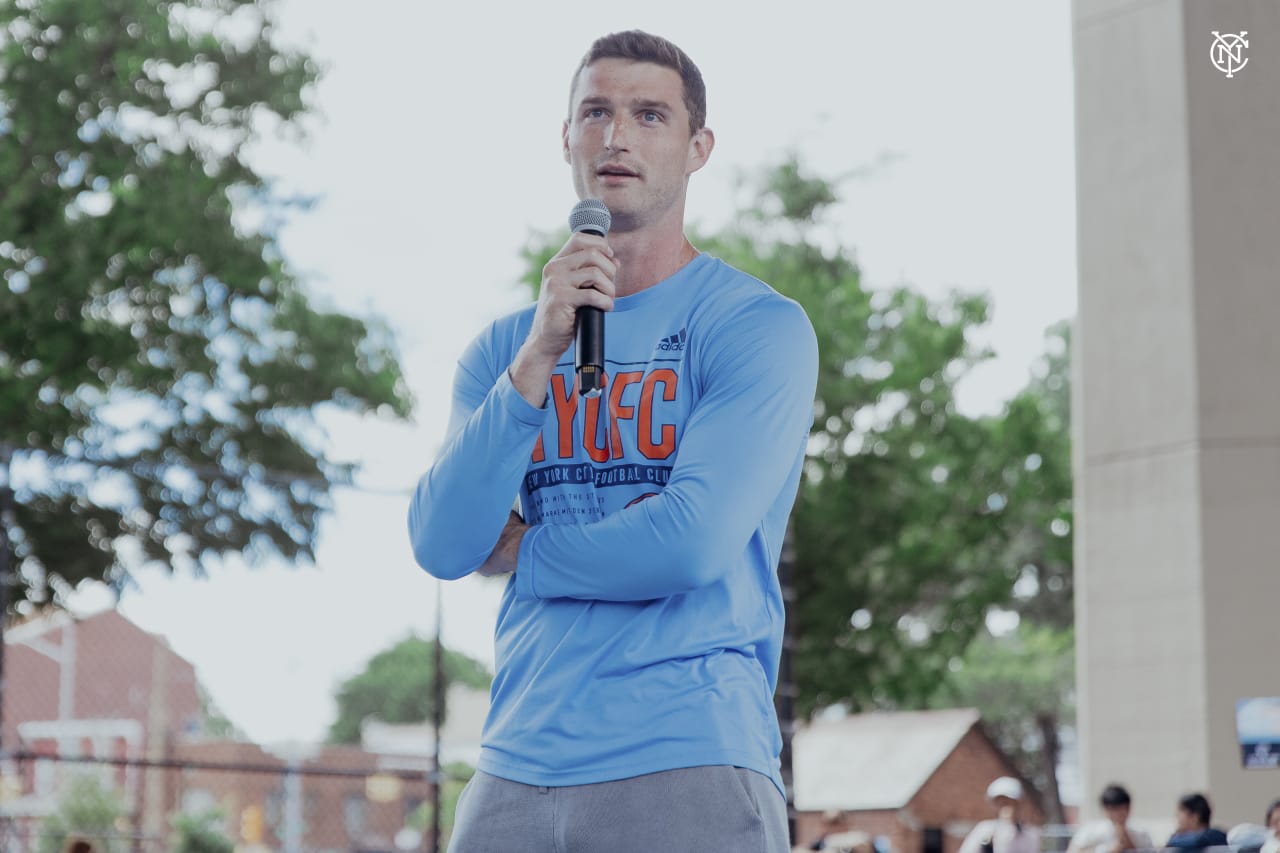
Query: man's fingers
579, 262
594, 258
591, 277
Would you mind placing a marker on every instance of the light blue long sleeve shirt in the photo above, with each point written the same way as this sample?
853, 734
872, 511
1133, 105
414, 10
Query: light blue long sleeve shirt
642, 628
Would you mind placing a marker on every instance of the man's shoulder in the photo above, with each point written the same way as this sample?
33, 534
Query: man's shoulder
734, 296
731, 282
515, 317
505, 331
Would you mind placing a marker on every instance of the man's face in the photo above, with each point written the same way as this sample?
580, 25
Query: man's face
627, 141
1118, 815
1186, 820
1273, 821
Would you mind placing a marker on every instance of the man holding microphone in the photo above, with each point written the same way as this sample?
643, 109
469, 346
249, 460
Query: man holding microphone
638, 641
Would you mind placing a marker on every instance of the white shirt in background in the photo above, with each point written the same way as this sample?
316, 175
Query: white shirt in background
1005, 837
1099, 836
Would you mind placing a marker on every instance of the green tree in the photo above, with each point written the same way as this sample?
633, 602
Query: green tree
398, 686
1036, 429
161, 368
86, 810
201, 834
901, 546
214, 723
1023, 683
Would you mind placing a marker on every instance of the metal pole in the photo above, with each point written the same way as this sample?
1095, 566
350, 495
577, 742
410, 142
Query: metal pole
293, 832
437, 720
784, 699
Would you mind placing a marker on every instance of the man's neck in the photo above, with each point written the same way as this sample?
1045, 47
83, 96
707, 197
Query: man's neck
648, 257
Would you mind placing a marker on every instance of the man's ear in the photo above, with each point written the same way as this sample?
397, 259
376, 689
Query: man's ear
700, 147
564, 139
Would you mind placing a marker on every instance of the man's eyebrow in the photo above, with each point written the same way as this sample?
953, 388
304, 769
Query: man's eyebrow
652, 105
639, 104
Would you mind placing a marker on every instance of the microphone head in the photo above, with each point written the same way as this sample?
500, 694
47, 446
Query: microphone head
591, 215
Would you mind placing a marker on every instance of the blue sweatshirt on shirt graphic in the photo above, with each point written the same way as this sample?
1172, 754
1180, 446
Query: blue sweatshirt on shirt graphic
642, 628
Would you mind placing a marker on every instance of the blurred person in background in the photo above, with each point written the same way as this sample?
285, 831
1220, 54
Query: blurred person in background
1247, 837
853, 841
1007, 832
1113, 833
1272, 844
1194, 831
832, 823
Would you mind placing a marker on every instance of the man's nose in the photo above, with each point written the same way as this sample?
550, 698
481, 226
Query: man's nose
615, 135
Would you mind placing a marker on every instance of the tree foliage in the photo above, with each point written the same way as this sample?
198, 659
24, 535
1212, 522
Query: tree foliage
201, 833
161, 368
86, 810
1036, 427
1023, 683
398, 686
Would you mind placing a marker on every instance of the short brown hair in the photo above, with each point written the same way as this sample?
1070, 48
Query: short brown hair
639, 46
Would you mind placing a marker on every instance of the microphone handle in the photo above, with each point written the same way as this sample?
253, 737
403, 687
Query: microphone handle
589, 351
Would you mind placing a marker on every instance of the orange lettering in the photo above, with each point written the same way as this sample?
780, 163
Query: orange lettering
591, 424
619, 411
566, 403
667, 445
539, 455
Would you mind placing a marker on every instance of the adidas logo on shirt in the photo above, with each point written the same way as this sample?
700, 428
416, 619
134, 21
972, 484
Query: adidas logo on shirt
673, 343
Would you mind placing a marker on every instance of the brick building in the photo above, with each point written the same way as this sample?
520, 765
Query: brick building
98, 695
93, 688
918, 778
340, 798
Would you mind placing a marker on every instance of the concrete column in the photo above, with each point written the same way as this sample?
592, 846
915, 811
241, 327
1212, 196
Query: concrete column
1177, 398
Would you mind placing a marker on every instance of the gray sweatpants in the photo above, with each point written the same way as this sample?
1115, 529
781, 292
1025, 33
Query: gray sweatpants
692, 810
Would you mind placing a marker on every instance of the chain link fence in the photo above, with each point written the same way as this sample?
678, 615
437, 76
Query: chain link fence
339, 800
208, 798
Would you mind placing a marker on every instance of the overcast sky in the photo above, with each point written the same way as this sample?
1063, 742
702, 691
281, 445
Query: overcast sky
437, 155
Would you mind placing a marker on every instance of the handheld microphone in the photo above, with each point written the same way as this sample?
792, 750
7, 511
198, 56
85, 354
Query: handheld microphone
590, 215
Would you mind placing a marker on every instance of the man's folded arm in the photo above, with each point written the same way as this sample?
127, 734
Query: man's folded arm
462, 503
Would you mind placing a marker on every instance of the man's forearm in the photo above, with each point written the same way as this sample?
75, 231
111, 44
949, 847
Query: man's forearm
530, 373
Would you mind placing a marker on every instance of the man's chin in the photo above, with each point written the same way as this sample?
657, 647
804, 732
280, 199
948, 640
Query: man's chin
621, 211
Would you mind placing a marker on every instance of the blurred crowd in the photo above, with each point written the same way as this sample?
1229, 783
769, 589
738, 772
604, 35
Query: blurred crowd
1193, 828
1009, 832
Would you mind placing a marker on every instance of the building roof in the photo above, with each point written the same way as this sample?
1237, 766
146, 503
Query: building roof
879, 760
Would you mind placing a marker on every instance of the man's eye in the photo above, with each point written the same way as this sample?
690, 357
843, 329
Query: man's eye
650, 115
595, 112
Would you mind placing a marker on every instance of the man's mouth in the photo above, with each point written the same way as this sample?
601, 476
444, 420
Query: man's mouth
616, 172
